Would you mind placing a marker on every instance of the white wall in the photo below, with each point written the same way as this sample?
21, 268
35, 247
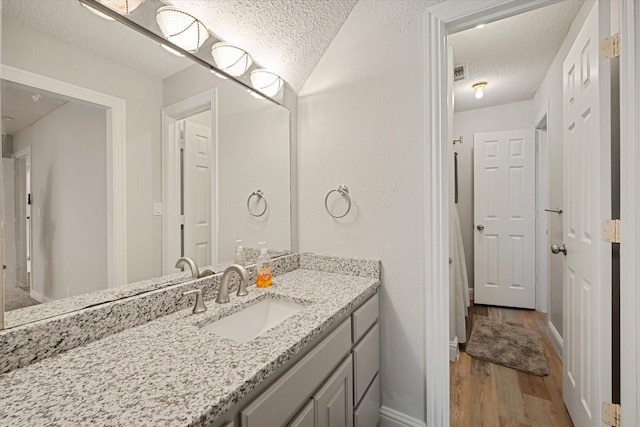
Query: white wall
518, 115
361, 123
33, 51
550, 91
69, 200
253, 153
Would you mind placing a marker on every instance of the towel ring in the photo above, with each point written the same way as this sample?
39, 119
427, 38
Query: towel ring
260, 195
343, 190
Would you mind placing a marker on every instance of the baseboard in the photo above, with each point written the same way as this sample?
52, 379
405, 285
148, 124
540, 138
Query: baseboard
454, 350
555, 338
39, 297
471, 294
392, 418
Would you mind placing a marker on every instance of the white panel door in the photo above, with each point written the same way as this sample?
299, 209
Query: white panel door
504, 215
587, 201
197, 193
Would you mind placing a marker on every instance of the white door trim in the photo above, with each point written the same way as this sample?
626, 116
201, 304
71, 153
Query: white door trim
171, 174
629, 207
446, 18
116, 161
542, 202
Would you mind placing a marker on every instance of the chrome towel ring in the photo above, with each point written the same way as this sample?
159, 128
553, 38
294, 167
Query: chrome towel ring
343, 190
260, 195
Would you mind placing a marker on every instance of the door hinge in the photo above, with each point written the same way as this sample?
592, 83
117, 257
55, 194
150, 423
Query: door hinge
181, 219
611, 230
610, 47
611, 414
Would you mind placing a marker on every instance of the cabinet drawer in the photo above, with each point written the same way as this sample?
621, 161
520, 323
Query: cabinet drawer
306, 417
366, 362
368, 412
279, 402
365, 317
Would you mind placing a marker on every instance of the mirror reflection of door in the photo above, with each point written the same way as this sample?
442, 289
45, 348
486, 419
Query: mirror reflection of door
196, 160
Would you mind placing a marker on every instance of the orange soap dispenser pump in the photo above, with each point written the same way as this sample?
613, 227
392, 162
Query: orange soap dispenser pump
263, 268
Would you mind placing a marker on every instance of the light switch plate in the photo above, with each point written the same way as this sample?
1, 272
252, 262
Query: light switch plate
157, 209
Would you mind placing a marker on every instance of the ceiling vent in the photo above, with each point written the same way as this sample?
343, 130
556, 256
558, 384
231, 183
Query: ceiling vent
460, 73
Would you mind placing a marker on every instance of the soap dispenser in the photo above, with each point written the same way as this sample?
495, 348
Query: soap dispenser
240, 257
263, 268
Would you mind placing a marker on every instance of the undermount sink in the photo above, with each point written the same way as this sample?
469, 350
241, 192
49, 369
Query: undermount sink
254, 320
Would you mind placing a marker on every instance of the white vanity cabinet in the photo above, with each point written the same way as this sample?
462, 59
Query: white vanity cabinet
334, 385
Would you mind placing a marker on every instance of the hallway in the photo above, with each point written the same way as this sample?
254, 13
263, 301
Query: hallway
485, 394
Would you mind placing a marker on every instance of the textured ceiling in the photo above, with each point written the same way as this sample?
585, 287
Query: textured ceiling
287, 37
68, 21
18, 104
512, 55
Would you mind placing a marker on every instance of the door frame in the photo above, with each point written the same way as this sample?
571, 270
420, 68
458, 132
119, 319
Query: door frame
171, 115
453, 16
542, 202
116, 150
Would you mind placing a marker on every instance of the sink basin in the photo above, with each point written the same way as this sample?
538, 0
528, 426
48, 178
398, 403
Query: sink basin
254, 320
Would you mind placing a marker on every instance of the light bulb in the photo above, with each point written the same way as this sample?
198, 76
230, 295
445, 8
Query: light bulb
478, 88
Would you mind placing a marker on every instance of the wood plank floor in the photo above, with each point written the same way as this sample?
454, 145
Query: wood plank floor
485, 394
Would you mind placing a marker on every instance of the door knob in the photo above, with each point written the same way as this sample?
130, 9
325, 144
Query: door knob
557, 249
480, 227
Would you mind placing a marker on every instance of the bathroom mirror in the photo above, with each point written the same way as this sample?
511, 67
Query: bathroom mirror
119, 157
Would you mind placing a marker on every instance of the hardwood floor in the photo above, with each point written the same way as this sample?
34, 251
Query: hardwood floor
485, 394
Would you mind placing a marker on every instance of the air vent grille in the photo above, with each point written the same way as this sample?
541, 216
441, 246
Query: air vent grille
460, 73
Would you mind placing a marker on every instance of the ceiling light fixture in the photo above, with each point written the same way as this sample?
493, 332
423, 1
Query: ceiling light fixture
123, 7
231, 59
478, 88
266, 82
181, 28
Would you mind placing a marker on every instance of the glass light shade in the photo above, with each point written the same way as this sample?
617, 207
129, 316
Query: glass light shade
266, 82
181, 28
478, 88
123, 7
231, 59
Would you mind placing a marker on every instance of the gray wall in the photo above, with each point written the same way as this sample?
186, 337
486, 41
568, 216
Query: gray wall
361, 123
69, 200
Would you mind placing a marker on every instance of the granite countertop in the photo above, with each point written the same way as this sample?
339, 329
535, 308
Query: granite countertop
171, 372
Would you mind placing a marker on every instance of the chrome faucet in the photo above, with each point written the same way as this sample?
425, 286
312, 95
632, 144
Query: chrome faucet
195, 273
223, 292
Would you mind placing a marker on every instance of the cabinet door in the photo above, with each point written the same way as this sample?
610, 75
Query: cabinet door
334, 400
306, 417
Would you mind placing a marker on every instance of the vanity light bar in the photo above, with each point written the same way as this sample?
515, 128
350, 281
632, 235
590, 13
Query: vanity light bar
161, 40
